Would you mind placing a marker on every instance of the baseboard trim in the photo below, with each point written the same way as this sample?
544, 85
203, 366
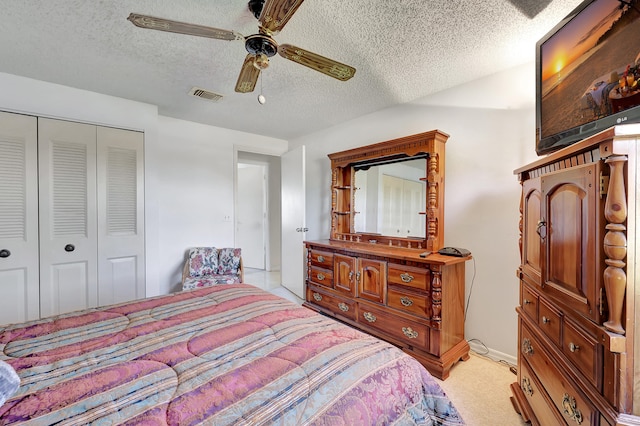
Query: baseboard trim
479, 349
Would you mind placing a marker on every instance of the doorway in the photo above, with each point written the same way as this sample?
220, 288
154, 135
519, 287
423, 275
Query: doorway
258, 210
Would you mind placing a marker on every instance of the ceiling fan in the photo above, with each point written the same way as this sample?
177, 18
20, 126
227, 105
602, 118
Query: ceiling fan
272, 16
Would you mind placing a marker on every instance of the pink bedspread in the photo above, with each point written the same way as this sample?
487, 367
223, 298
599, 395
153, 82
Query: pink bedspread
229, 354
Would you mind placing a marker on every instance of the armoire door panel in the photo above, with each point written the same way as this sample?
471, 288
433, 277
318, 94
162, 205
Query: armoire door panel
68, 216
120, 182
570, 210
533, 229
19, 281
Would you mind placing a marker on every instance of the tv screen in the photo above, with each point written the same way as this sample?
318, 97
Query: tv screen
587, 72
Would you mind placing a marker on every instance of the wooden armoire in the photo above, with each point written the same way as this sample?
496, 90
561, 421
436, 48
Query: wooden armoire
579, 289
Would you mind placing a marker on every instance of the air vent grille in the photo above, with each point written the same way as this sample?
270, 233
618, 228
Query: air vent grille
205, 94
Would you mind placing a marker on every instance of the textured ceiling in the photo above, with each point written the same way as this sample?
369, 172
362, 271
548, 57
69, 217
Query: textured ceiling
402, 50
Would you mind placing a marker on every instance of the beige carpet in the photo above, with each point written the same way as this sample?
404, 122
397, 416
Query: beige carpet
479, 388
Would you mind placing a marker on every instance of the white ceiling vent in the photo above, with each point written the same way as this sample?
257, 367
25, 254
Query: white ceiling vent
205, 94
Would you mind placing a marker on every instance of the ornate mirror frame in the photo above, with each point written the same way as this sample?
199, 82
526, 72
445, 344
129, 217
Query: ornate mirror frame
428, 145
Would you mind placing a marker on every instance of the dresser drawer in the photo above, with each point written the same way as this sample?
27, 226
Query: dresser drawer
409, 302
321, 276
582, 351
322, 259
411, 332
408, 276
549, 321
529, 301
336, 304
537, 398
566, 397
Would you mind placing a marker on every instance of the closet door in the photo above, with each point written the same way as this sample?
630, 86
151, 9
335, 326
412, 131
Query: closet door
120, 181
19, 295
68, 218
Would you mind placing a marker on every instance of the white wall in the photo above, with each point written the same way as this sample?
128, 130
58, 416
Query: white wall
188, 168
491, 128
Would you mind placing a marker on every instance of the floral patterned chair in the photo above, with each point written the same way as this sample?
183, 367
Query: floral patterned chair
207, 266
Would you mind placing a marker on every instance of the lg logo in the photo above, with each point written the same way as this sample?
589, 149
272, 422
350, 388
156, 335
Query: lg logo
622, 120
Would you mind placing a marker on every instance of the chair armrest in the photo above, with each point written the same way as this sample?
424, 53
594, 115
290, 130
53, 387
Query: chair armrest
185, 271
241, 271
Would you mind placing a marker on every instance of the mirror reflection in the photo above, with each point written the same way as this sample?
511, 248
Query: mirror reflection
390, 199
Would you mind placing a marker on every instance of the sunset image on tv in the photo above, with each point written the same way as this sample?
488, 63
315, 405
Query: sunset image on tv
589, 69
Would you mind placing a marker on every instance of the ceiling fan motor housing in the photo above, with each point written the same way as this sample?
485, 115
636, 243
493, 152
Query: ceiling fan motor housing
261, 44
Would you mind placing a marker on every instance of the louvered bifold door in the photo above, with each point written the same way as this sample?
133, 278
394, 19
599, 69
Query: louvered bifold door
121, 261
68, 218
19, 296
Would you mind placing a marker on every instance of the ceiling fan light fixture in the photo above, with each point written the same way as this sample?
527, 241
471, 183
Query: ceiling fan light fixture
261, 61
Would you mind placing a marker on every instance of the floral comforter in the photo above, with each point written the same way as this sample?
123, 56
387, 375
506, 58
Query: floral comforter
228, 354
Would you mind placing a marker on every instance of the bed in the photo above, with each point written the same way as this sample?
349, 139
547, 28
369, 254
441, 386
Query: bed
222, 355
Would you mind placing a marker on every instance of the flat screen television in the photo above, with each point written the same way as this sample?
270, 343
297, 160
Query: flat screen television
587, 69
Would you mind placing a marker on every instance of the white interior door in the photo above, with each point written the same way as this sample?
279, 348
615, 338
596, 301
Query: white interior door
293, 220
120, 193
251, 214
19, 283
68, 219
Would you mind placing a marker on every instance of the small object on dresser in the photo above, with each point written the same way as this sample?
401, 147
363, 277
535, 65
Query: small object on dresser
454, 251
425, 254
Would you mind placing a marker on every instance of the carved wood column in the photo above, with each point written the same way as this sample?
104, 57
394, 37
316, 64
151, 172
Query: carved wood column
432, 201
615, 243
436, 297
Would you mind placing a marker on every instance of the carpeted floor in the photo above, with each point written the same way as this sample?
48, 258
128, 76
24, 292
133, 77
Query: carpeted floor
479, 388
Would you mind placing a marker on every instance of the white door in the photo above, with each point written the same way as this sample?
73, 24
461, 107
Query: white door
293, 220
120, 189
251, 214
19, 283
68, 218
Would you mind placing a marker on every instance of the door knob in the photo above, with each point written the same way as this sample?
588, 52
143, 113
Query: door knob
69, 248
5, 253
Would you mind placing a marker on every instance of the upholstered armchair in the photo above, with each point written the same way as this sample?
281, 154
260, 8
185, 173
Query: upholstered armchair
207, 266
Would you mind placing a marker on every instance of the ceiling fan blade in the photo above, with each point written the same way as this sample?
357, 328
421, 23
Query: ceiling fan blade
314, 61
248, 75
161, 24
276, 13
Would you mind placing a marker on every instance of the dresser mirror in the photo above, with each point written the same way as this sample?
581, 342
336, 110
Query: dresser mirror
390, 193
390, 199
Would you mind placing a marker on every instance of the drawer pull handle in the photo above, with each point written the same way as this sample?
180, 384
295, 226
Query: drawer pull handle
317, 296
369, 317
573, 347
527, 348
5, 253
343, 307
526, 386
409, 332
526, 302
320, 277
571, 409
406, 278
350, 275
321, 259
406, 301
545, 320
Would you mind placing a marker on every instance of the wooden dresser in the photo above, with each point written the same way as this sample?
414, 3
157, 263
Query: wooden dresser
378, 282
415, 303
578, 284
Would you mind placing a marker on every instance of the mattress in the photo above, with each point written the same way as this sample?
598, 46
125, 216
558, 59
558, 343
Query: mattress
223, 355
